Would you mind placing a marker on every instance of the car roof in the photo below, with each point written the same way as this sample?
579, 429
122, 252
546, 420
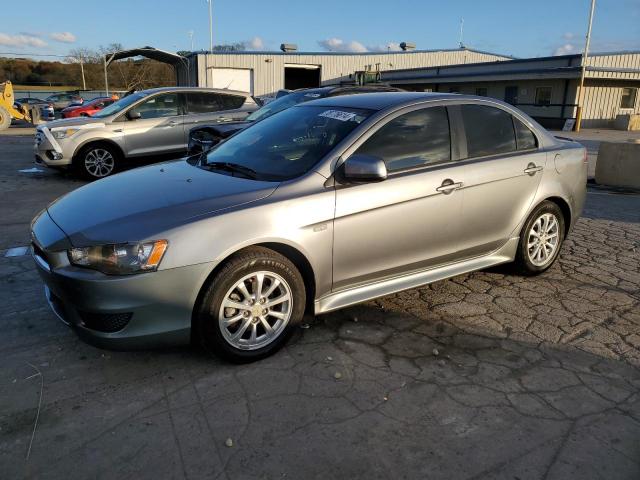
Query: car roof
336, 89
223, 91
381, 100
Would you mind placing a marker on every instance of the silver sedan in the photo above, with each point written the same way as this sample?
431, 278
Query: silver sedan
324, 205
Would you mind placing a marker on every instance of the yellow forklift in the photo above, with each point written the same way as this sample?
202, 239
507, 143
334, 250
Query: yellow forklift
7, 109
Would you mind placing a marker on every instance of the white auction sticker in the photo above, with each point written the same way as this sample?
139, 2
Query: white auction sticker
338, 115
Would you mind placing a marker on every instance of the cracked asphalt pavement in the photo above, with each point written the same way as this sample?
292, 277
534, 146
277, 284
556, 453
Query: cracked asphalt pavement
486, 375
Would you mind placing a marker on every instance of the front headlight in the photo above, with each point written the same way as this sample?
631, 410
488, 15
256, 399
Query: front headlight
120, 259
58, 134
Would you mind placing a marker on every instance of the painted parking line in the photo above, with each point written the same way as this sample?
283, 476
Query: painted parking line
16, 252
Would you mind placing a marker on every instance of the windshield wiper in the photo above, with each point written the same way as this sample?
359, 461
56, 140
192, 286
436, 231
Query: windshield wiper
233, 168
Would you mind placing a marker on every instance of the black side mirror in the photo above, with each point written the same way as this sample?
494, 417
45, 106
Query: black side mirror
362, 168
133, 114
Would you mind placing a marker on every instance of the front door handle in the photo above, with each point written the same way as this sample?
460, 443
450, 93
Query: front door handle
531, 169
173, 123
448, 186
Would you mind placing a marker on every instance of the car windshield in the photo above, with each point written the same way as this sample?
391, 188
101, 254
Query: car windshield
285, 145
117, 107
282, 103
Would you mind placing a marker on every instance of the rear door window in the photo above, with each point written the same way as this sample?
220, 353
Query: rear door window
203, 102
415, 139
489, 130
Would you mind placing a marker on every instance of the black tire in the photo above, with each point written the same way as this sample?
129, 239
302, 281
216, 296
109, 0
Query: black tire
5, 119
528, 264
96, 152
245, 263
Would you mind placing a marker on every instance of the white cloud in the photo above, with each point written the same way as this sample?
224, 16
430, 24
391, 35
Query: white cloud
339, 45
64, 37
388, 47
256, 43
565, 49
21, 41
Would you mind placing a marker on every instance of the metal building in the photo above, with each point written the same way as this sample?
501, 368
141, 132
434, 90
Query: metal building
264, 73
546, 88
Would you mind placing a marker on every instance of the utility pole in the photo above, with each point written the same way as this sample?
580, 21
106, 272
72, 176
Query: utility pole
84, 84
461, 43
106, 81
210, 2
583, 69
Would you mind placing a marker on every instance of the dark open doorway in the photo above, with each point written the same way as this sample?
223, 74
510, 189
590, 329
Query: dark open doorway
303, 76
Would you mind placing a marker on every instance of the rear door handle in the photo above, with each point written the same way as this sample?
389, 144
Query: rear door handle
173, 123
531, 169
449, 186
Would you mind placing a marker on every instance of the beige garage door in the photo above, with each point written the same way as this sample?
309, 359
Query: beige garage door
232, 78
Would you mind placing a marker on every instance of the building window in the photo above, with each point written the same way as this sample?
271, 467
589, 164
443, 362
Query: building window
481, 91
628, 99
543, 96
454, 90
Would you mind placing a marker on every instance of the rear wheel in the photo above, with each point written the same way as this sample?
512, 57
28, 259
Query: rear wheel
97, 161
541, 239
252, 305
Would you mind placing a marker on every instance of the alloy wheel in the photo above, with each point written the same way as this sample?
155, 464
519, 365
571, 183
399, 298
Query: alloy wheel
543, 239
99, 162
256, 310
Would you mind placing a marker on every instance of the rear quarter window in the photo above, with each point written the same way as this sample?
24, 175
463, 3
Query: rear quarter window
525, 139
231, 102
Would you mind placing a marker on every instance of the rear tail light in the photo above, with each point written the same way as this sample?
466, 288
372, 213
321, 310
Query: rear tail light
585, 159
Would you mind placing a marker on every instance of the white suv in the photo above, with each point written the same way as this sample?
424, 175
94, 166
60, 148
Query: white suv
148, 123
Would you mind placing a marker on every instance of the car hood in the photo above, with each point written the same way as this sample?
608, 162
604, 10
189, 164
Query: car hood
146, 202
227, 129
74, 122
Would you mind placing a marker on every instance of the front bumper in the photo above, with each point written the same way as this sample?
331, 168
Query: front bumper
48, 151
122, 312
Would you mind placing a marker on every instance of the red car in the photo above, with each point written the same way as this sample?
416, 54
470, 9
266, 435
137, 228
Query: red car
87, 108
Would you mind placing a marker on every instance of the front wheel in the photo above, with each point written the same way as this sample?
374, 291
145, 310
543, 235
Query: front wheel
251, 306
5, 119
541, 239
96, 161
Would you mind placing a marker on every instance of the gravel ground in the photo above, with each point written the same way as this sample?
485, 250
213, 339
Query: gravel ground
487, 375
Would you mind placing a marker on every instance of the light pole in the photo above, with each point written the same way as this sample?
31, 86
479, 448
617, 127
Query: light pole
190, 33
210, 2
583, 69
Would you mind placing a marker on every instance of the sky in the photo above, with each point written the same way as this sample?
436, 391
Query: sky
513, 27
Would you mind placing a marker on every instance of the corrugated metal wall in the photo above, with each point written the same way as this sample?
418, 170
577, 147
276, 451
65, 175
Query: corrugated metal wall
602, 102
616, 61
268, 68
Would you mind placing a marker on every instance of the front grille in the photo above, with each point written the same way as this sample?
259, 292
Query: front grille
39, 137
105, 322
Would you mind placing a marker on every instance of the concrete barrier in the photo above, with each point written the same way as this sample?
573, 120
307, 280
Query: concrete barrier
627, 122
619, 164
